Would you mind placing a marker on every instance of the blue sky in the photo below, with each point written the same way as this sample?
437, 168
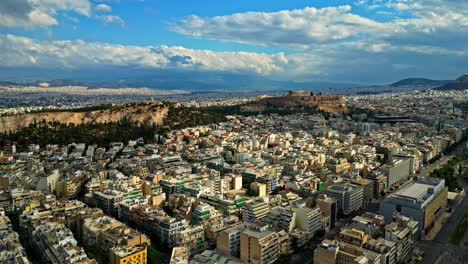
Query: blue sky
364, 41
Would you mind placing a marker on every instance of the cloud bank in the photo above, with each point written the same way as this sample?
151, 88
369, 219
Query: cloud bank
418, 38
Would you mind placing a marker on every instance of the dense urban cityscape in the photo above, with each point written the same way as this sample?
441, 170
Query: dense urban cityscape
233, 132
370, 183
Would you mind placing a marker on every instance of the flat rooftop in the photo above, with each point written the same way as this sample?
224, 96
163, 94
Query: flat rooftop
421, 189
417, 191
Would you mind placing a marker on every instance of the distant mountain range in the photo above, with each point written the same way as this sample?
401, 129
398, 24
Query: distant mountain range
461, 83
198, 82
418, 82
189, 81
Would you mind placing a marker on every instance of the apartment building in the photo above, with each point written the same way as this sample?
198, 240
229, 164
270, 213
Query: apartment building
192, 238
228, 241
281, 218
309, 220
348, 196
180, 255
205, 214
254, 211
370, 223
11, 250
55, 244
386, 248
403, 231
353, 236
121, 235
259, 245
106, 233
167, 228
328, 206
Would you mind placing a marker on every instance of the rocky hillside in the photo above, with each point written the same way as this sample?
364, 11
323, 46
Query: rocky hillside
152, 113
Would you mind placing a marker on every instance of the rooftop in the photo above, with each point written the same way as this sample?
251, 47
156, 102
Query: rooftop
421, 190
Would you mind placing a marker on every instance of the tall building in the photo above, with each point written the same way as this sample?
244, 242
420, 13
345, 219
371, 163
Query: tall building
260, 245
348, 196
309, 219
403, 231
328, 206
396, 172
168, 228
228, 241
424, 201
367, 190
380, 183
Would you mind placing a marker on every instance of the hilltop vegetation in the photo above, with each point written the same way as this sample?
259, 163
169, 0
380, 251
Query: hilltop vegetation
130, 121
102, 133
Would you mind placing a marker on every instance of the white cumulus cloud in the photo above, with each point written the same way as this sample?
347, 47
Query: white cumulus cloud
299, 28
111, 19
103, 8
27, 52
38, 13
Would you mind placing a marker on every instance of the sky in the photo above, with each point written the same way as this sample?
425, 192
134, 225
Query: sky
361, 41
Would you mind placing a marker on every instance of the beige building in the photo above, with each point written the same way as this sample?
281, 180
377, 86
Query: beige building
328, 206
228, 241
262, 246
254, 211
180, 255
192, 238
353, 236
404, 232
338, 252
260, 188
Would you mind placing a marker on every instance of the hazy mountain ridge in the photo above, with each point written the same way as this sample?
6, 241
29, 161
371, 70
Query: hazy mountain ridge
419, 81
223, 82
189, 81
461, 83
